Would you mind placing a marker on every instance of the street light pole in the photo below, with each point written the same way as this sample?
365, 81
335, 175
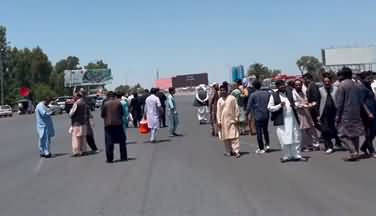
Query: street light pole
2, 78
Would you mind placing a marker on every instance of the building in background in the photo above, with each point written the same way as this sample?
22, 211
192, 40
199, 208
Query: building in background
237, 73
190, 80
358, 59
163, 84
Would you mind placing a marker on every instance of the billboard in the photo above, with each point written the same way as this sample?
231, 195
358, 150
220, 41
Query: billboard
163, 84
85, 77
190, 80
349, 56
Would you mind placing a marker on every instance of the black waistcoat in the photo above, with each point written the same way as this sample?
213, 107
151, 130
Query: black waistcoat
277, 117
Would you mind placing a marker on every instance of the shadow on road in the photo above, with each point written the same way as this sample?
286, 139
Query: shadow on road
59, 155
131, 142
124, 161
158, 141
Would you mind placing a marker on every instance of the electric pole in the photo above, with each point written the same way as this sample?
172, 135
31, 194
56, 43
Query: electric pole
2, 77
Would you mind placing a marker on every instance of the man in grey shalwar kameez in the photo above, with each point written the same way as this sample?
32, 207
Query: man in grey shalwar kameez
348, 118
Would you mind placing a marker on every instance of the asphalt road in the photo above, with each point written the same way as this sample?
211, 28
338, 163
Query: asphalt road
177, 177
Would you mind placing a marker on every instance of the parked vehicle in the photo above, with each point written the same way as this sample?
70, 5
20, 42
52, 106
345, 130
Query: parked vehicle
25, 106
6, 111
56, 108
61, 101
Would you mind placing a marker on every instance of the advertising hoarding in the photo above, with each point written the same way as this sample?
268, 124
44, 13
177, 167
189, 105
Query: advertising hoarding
349, 56
85, 77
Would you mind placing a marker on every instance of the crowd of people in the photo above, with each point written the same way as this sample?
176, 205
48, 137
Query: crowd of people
118, 113
306, 117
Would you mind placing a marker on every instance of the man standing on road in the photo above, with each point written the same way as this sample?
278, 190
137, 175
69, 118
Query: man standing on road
79, 118
310, 137
172, 112
162, 98
136, 109
258, 106
348, 119
112, 113
228, 114
213, 109
89, 127
285, 118
45, 127
313, 96
152, 113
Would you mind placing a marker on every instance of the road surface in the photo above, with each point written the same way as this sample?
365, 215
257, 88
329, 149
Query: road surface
177, 177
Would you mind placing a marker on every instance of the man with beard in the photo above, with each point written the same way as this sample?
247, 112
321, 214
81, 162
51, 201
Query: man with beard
327, 114
348, 119
286, 119
310, 136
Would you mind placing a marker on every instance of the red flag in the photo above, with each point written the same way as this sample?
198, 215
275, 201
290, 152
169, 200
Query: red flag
24, 91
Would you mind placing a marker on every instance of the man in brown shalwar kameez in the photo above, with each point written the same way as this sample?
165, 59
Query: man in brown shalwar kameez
213, 109
228, 122
348, 118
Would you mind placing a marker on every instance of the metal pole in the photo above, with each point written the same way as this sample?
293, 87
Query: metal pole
2, 78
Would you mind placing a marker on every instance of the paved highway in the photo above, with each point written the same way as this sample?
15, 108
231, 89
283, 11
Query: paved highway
184, 176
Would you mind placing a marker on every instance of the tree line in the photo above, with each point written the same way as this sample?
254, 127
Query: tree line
33, 69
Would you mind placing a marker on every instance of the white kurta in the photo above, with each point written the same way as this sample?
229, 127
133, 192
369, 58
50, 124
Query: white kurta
152, 110
289, 133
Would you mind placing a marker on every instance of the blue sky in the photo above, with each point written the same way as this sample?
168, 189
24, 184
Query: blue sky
187, 36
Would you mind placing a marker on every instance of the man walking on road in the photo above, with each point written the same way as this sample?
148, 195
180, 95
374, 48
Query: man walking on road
152, 113
213, 109
45, 127
172, 112
258, 106
112, 113
328, 114
348, 119
228, 114
285, 118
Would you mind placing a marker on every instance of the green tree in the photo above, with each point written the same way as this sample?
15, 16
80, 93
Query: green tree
261, 71
97, 65
309, 64
40, 67
41, 91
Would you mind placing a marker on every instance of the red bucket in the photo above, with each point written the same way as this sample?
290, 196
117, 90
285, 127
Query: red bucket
144, 127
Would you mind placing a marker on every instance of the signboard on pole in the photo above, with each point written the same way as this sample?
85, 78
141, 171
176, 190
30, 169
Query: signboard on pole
85, 77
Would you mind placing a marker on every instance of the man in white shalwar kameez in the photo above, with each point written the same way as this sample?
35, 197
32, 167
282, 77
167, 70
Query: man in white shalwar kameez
153, 108
281, 105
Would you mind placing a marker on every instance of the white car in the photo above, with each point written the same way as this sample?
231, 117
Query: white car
55, 108
6, 111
